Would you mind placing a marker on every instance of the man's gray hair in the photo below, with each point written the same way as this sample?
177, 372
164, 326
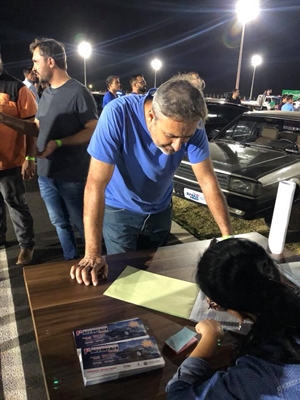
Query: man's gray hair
180, 100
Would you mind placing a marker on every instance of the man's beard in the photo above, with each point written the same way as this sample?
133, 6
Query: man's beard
142, 90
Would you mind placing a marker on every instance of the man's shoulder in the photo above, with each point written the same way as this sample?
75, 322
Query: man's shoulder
77, 86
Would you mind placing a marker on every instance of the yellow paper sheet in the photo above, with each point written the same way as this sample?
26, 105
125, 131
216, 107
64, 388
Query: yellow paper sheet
169, 295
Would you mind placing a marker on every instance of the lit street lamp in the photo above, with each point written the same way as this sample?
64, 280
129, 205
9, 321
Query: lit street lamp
247, 10
156, 65
255, 61
85, 50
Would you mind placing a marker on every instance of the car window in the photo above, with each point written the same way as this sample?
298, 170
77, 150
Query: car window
253, 129
242, 130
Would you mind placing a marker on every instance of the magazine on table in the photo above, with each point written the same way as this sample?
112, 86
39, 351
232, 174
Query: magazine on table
116, 351
112, 332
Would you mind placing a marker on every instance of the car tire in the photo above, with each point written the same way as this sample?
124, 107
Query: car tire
294, 223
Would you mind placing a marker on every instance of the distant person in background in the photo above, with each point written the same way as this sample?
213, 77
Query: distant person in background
283, 101
238, 276
234, 97
138, 84
17, 162
196, 80
63, 125
29, 81
288, 106
120, 92
267, 92
41, 87
113, 85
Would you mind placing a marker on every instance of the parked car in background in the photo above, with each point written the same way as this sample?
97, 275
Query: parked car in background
296, 105
98, 96
263, 102
251, 155
220, 113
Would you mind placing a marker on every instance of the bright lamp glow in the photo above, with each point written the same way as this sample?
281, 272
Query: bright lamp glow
156, 64
247, 10
85, 49
256, 60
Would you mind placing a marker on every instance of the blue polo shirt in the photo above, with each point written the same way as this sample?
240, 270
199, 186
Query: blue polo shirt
287, 107
107, 98
143, 176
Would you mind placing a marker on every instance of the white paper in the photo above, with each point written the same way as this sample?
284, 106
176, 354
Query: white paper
281, 216
201, 311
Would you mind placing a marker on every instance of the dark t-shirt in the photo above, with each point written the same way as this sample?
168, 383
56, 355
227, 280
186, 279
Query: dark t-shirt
235, 101
63, 112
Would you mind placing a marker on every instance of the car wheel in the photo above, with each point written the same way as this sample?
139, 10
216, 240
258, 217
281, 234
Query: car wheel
294, 224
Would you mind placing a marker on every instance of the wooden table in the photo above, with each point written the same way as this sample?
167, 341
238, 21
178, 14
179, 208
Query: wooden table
59, 305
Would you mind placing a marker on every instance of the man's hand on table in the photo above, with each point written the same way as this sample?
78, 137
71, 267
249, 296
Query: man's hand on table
89, 269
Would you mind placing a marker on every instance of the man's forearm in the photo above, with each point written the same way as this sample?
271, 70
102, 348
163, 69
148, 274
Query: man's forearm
81, 137
30, 146
28, 128
93, 220
219, 209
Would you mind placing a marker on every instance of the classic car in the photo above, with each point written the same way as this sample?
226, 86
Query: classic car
98, 97
251, 155
220, 113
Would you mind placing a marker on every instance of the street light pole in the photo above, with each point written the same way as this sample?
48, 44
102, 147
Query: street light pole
85, 50
238, 74
84, 70
247, 10
256, 60
251, 90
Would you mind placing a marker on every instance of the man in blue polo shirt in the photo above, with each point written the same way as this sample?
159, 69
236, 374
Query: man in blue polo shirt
288, 106
135, 151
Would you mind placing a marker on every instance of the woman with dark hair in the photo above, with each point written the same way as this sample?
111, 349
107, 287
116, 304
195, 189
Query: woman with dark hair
238, 275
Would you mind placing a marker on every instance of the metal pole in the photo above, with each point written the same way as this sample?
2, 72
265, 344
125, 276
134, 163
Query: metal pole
254, 68
84, 70
238, 74
155, 78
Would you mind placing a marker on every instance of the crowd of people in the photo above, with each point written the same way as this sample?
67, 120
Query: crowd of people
112, 178
128, 189
286, 100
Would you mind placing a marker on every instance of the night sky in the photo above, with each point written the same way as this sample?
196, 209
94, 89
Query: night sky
185, 35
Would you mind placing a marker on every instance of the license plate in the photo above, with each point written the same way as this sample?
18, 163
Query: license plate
198, 197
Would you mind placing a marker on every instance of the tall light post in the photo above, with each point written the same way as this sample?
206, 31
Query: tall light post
247, 10
156, 65
255, 61
85, 50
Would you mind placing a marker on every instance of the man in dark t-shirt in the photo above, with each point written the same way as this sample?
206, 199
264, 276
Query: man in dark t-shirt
64, 124
234, 98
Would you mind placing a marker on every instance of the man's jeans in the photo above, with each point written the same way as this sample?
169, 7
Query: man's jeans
125, 230
64, 203
12, 192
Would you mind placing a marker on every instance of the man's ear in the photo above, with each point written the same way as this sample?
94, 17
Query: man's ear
150, 115
51, 62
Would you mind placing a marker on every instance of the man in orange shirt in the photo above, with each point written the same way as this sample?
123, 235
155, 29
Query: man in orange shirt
17, 162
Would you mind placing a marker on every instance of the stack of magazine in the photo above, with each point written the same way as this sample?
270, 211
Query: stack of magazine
116, 350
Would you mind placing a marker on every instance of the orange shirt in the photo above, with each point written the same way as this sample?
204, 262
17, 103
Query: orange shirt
18, 101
